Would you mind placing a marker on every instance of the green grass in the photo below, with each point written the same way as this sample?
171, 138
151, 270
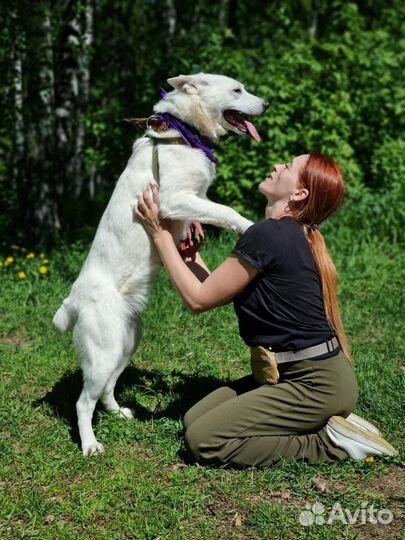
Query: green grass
141, 488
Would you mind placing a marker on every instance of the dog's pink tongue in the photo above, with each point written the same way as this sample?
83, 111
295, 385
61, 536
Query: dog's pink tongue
252, 130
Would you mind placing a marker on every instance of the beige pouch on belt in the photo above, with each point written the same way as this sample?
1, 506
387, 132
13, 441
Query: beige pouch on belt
264, 365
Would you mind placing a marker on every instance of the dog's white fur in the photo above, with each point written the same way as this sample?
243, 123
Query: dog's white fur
107, 299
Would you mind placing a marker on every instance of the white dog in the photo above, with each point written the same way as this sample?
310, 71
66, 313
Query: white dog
107, 299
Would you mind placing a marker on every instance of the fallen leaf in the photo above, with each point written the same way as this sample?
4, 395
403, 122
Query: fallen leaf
321, 484
286, 494
236, 521
176, 467
15, 340
56, 499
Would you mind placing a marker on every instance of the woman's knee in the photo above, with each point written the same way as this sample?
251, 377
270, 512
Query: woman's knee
187, 420
192, 440
202, 444
206, 404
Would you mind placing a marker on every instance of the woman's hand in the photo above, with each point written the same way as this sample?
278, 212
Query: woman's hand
148, 212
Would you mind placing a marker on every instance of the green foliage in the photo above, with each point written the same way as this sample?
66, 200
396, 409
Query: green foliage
331, 71
341, 96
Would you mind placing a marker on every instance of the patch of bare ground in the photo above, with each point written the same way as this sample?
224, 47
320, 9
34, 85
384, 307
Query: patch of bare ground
283, 497
230, 519
391, 486
16, 340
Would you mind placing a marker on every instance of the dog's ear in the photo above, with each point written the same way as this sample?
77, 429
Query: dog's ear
185, 83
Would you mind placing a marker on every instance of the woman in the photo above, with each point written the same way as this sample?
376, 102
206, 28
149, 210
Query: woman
282, 281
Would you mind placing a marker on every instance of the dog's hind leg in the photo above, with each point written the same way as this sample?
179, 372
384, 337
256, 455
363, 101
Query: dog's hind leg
96, 375
102, 345
98, 383
131, 343
85, 409
108, 398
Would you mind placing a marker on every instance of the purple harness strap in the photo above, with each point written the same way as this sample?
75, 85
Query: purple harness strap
188, 133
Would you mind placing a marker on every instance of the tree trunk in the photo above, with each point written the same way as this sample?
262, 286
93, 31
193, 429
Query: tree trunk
313, 29
86, 40
72, 97
66, 99
223, 14
41, 214
18, 99
171, 18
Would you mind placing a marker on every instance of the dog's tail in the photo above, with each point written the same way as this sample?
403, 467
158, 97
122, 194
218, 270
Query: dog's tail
63, 319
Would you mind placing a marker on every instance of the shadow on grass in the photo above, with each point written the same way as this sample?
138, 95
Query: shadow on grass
186, 389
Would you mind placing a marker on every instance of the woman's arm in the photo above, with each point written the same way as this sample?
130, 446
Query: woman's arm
217, 289
198, 267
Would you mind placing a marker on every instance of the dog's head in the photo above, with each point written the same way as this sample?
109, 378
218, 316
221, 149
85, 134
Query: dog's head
213, 104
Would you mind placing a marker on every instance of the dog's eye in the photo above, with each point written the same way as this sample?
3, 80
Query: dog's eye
237, 90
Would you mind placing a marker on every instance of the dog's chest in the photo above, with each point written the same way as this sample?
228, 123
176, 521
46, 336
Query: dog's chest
182, 168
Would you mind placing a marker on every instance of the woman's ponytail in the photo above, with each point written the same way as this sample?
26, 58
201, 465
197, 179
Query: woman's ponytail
329, 281
323, 179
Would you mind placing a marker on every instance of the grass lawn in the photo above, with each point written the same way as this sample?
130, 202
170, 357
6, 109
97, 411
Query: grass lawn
141, 488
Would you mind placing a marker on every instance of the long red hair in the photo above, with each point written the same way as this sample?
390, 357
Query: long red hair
323, 179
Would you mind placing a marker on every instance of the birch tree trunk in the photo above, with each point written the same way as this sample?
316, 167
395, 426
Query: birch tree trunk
49, 114
86, 40
223, 13
18, 98
313, 29
66, 99
41, 213
171, 20
72, 96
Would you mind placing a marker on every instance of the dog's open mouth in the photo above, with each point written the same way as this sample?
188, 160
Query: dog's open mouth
239, 120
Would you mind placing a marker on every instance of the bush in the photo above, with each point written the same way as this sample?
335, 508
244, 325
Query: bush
338, 93
329, 69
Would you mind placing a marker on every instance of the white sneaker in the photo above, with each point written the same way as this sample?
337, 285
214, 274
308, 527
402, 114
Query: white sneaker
356, 441
360, 422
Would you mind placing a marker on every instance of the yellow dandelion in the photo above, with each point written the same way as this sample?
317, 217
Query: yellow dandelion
43, 270
370, 459
45, 261
9, 261
15, 247
22, 275
31, 255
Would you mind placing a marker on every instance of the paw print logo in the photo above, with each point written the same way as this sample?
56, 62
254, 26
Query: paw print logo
312, 514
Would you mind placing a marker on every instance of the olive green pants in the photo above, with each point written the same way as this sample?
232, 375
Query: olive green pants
245, 424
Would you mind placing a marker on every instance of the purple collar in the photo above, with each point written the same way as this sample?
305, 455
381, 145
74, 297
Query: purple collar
188, 133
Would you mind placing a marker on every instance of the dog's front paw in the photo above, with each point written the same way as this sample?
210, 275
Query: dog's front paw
92, 449
246, 223
126, 412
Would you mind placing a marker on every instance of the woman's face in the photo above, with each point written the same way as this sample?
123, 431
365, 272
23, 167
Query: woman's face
282, 182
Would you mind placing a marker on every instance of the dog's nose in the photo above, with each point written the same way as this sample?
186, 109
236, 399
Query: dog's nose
266, 105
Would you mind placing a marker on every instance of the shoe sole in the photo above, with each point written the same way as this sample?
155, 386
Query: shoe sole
370, 439
359, 421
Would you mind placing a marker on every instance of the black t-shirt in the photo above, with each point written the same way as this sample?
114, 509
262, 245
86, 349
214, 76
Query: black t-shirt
282, 307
